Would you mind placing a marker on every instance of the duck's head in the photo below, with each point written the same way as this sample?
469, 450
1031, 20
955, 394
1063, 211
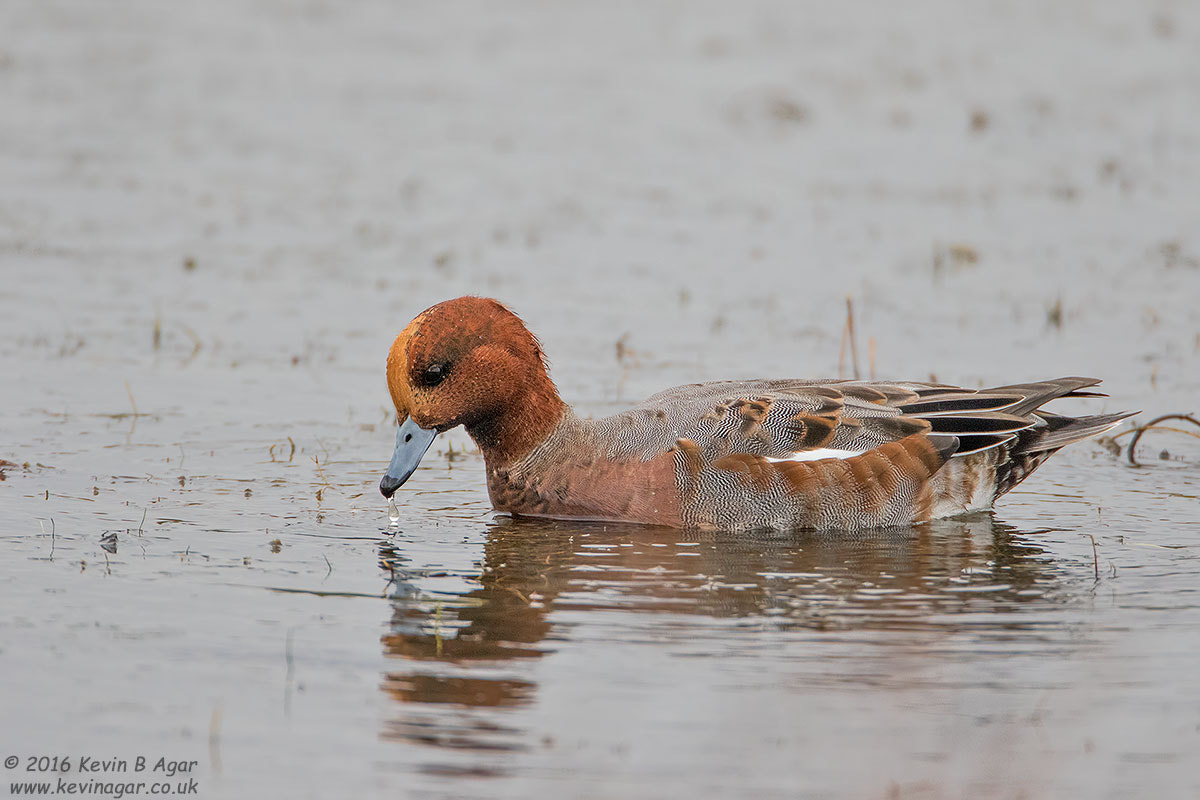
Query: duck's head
472, 362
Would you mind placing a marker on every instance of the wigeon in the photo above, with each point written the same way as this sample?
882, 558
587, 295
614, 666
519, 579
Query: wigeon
723, 455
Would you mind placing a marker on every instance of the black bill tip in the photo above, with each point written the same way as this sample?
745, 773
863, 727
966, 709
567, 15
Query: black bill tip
389, 485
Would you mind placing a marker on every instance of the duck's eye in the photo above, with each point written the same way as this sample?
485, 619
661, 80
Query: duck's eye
435, 374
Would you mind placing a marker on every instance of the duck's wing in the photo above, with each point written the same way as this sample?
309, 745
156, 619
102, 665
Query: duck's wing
809, 420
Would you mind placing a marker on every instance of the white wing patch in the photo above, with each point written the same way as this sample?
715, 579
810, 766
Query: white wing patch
818, 454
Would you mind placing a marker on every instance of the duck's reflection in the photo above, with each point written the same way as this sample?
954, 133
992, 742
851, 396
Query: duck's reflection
542, 582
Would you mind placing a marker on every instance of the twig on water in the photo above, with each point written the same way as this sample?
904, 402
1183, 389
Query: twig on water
291, 450
1095, 557
129, 391
1137, 432
42, 525
325, 484
848, 336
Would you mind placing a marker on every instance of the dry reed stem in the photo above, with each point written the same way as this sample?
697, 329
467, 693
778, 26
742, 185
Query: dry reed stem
1137, 432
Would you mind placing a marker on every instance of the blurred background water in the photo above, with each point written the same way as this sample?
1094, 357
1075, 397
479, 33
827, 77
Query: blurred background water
214, 217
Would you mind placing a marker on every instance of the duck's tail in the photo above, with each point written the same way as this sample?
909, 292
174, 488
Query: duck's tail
1049, 432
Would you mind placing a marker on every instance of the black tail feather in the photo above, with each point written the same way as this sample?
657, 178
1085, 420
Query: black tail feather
1048, 435
1050, 431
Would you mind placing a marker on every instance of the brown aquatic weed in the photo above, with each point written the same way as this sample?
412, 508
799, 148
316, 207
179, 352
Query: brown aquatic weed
1141, 429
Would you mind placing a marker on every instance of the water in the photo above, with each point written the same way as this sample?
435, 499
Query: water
213, 220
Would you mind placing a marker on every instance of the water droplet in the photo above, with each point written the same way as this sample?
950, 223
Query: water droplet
393, 512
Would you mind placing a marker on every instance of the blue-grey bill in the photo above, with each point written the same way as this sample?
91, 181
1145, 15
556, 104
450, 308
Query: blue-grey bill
411, 443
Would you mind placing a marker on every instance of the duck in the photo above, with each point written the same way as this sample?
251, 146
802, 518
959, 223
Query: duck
733, 455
